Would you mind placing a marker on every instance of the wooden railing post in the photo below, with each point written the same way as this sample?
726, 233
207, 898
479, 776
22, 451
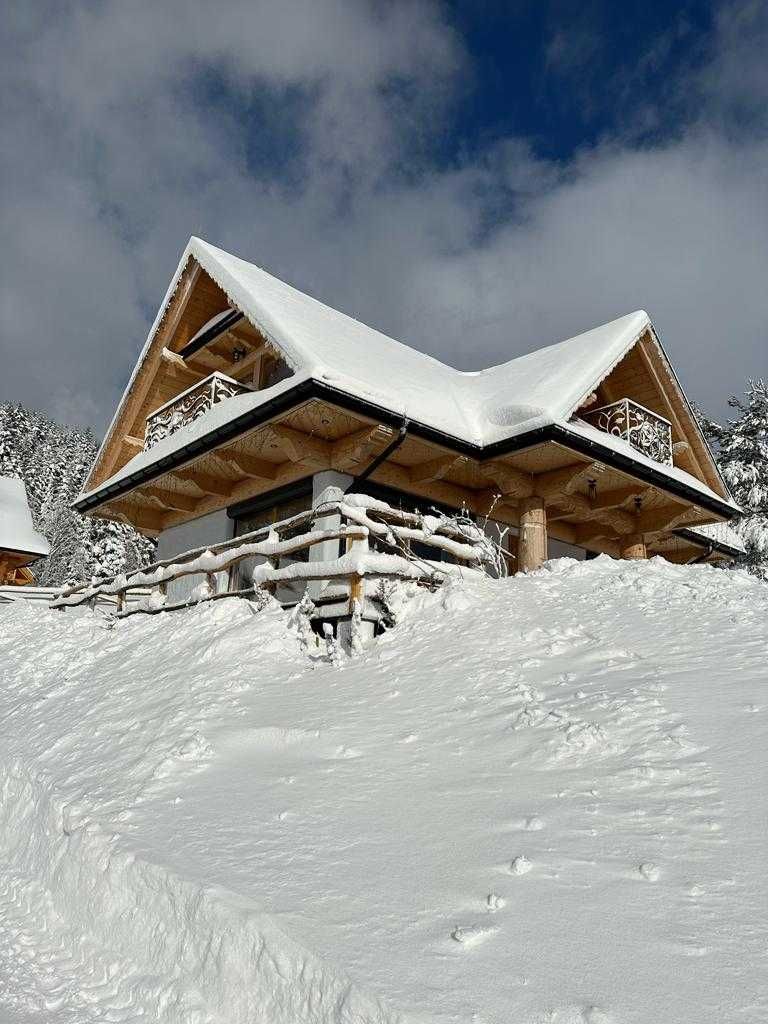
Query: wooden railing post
360, 546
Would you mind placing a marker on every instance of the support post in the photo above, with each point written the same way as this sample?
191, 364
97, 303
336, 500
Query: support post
356, 583
633, 546
327, 486
532, 543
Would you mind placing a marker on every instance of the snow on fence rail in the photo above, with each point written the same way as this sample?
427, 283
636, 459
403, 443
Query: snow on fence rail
378, 541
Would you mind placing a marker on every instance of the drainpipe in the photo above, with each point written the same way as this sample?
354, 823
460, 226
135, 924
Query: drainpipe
393, 445
704, 557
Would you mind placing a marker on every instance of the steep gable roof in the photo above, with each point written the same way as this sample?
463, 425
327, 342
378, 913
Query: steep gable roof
477, 407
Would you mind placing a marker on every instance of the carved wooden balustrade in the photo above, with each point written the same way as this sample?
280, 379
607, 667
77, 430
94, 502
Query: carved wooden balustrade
646, 431
189, 406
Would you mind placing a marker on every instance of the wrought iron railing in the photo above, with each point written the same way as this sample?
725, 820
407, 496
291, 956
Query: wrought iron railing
189, 406
646, 431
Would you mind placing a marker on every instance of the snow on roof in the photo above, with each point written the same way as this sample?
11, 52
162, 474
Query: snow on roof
16, 530
720, 534
479, 407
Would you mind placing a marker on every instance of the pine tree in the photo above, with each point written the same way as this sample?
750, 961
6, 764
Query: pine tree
53, 461
742, 454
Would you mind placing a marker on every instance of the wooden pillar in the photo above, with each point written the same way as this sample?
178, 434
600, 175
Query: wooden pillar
532, 543
4, 567
633, 546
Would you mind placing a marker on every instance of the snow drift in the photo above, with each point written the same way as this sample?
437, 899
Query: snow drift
535, 800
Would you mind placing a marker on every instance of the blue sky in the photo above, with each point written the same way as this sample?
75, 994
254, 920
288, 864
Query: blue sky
565, 74
475, 179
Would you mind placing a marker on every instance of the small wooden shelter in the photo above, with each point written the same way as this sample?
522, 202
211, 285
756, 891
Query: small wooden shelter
251, 399
20, 543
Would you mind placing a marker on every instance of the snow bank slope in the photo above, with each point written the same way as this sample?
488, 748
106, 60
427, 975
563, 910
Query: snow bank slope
537, 800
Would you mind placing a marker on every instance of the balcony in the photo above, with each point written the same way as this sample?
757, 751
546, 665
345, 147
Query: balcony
647, 432
189, 406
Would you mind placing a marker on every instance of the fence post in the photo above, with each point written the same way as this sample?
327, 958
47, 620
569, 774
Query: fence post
327, 486
358, 546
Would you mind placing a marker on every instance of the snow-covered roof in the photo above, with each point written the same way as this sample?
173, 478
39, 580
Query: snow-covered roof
17, 533
478, 406
719, 534
540, 389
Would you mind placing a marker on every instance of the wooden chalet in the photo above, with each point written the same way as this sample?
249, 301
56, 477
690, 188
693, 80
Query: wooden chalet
250, 400
20, 543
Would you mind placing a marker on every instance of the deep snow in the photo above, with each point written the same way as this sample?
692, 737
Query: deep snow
536, 800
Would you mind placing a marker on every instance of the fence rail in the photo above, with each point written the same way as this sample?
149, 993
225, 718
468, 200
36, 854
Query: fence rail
377, 542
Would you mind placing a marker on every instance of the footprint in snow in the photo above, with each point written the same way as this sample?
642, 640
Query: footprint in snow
520, 866
494, 902
649, 871
594, 1015
533, 824
472, 934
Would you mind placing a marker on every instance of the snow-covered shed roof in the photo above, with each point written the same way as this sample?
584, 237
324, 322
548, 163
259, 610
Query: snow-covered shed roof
720, 535
17, 534
478, 408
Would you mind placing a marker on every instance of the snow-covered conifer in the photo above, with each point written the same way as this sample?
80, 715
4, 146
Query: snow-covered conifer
53, 461
742, 454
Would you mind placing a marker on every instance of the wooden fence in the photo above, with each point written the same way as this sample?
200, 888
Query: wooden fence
376, 542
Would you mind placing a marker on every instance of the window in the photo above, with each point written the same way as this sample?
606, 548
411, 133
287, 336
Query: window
261, 512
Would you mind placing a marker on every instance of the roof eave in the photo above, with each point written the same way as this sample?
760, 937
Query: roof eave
310, 388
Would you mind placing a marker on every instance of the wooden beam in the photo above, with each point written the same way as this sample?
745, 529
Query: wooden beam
134, 443
172, 500
618, 496
661, 520
391, 474
435, 469
586, 533
248, 465
205, 363
146, 521
633, 546
578, 505
148, 371
510, 481
563, 481
247, 362
175, 367
298, 447
206, 483
359, 446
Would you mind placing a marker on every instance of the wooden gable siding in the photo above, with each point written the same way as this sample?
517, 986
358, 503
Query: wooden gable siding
644, 376
196, 300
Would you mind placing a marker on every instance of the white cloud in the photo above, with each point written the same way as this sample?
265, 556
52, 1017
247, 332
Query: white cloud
117, 159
